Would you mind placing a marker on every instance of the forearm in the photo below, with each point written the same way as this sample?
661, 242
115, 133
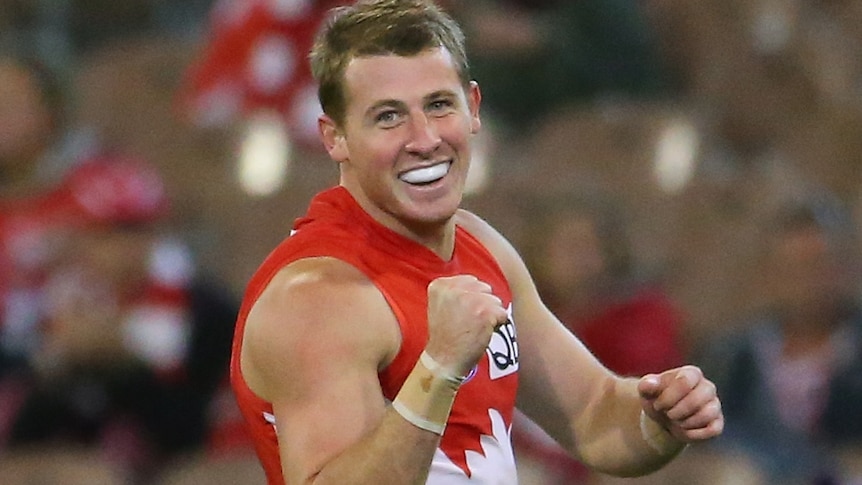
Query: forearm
623, 443
399, 450
396, 452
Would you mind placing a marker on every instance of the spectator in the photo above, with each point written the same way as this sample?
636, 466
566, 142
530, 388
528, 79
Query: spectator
580, 253
588, 273
533, 56
109, 337
791, 378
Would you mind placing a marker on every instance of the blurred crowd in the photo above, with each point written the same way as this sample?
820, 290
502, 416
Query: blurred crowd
684, 180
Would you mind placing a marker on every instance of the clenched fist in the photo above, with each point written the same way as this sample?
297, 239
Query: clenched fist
462, 315
684, 402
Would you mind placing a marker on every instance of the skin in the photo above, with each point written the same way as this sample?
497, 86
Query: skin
334, 425
417, 117
811, 280
25, 128
84, 325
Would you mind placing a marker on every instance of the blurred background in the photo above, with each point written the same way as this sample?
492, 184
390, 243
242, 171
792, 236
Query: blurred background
683, 178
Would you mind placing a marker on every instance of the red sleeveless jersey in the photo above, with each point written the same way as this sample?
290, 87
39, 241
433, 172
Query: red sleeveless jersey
476, 443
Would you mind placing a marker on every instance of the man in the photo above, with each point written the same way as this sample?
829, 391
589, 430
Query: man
109, 338
388, 338
791, 370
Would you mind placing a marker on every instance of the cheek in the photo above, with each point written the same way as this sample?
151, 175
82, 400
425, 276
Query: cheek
375, 149
458, 131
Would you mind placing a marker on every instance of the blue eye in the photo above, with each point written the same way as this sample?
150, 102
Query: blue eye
387, 118
440, 104
440, 107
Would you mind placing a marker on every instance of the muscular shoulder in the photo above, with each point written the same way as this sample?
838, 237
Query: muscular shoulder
529, 306
313, 309
499, 247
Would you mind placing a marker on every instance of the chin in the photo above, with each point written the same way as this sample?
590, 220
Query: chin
439, 210
428, 217
431, 218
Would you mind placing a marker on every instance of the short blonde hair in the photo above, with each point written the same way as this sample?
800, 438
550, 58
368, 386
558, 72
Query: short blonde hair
379, 27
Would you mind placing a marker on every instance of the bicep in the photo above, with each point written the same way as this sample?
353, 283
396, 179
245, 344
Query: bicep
330, 407
314, 348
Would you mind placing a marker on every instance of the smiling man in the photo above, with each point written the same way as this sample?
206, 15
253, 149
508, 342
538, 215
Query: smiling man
389, 338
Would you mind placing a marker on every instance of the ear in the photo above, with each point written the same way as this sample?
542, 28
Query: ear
474, 100
333, 138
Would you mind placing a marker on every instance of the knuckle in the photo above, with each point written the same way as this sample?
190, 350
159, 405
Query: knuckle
710, 386
715, 407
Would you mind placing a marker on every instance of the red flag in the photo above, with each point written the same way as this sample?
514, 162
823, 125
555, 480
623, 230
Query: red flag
255, 58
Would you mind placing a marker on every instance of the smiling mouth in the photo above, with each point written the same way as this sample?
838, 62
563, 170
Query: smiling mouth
426, 175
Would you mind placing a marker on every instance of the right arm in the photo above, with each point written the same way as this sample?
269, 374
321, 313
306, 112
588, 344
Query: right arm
314, 344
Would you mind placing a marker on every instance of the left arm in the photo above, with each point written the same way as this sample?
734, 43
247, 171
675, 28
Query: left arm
589, 410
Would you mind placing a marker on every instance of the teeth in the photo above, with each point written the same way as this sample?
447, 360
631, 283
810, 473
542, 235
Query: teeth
425, 175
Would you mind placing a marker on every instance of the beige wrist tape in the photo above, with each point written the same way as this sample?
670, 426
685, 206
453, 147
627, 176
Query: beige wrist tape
438, 370
658, 438
427, 395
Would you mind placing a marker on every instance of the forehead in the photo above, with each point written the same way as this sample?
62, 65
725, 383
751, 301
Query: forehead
369, 79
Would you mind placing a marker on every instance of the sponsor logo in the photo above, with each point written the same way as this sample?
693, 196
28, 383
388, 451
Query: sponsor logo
503, 348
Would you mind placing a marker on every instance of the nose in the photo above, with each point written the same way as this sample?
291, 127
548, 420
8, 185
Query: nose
424, 137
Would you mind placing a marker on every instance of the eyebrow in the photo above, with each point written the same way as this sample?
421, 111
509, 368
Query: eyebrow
442, 93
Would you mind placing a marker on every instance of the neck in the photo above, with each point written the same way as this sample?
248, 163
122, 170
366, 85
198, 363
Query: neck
436, 235
439, 237
441, 242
